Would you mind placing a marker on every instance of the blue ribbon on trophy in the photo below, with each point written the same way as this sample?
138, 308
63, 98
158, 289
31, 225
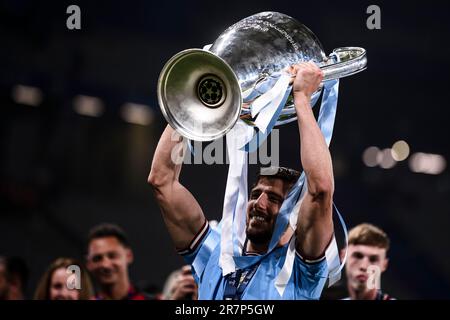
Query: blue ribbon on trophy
238, 87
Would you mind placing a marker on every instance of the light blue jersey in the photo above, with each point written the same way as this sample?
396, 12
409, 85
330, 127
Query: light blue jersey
306, 282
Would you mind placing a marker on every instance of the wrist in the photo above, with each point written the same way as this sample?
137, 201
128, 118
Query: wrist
301, 99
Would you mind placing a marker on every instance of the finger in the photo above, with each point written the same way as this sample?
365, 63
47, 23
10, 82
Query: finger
188, 288
185, 292
310, 65
300, 68
186, 269
315, 68
183, 281
187, 282
187, 276
187, 285
294, 69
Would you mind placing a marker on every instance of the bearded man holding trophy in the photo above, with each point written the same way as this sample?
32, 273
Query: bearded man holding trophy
266, 70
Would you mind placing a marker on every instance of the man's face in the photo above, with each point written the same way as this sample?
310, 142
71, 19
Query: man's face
360, 258
264, 204
108, 260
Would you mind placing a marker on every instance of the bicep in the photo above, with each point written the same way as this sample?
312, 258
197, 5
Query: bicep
314, 226
181, 212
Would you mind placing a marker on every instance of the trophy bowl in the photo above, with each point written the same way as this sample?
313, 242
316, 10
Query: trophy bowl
200, 92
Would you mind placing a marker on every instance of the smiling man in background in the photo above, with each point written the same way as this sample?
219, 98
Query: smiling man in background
109, 255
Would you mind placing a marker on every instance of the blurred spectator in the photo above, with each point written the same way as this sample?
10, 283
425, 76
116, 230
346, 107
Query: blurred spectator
367, 260
108, 257
180, 285
151, 289
13, 278
58, 283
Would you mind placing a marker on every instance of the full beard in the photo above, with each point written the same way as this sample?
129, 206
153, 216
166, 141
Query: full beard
259, 236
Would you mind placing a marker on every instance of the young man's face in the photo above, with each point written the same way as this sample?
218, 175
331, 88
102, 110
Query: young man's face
263, 207
108, 260
360, 259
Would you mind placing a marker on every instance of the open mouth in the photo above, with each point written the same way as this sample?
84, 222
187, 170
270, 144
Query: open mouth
257, 217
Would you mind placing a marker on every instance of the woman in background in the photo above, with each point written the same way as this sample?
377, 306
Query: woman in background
57, 284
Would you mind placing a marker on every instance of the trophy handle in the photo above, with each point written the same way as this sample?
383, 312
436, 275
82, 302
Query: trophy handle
352, 60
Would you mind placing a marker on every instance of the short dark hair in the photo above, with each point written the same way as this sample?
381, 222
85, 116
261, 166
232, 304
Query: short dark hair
289, 176
104, 230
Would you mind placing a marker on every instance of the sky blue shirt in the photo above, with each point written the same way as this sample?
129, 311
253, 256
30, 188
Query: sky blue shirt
306, 282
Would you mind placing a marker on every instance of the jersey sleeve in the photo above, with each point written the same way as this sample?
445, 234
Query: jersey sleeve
200, 249
311, 275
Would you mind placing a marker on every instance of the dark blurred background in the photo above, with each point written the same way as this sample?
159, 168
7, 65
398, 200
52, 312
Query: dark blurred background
80, 121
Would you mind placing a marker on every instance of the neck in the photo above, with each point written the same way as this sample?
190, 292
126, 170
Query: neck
115, 291
256, 248
363, 294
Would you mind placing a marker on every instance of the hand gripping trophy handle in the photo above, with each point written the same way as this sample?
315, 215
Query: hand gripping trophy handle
352, 60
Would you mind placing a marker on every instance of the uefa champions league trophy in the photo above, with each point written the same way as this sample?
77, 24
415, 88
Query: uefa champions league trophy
202, 93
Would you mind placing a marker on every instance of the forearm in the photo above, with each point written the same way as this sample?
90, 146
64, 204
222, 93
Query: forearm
181, 211
314, 154
167, 160
315, 225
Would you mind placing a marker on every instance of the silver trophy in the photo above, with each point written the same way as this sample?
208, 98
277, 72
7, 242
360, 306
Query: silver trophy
200, 91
